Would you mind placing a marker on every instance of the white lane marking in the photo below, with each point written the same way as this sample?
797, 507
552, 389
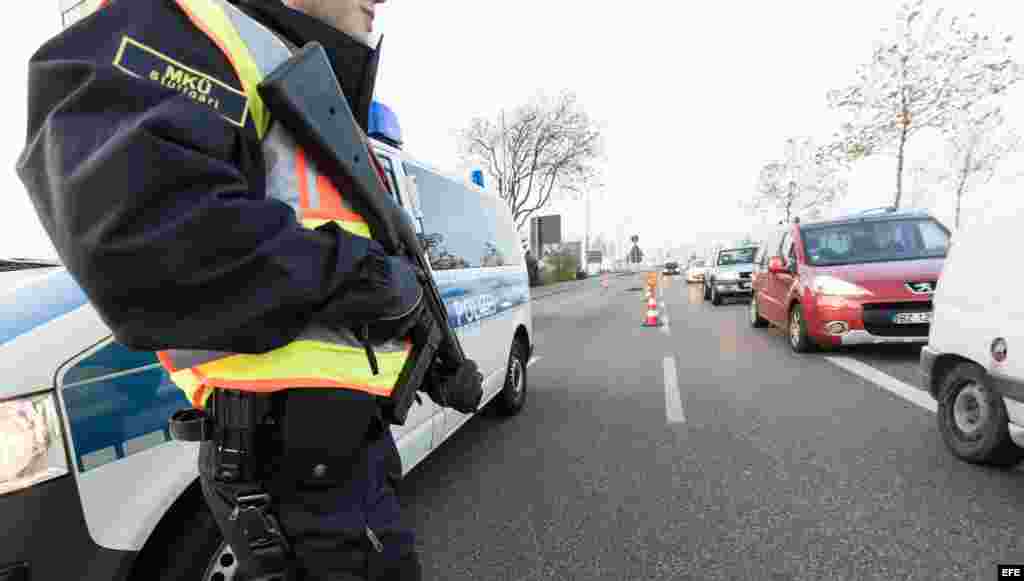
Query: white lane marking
664, 320
673, 403
886, 381
533, 360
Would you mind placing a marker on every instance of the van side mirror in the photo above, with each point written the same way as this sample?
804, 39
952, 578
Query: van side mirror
776, 265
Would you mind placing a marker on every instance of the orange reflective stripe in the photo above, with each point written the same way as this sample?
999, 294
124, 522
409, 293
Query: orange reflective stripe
300, 168
331, 204
272, 385
199, 396
165, 360
342, 214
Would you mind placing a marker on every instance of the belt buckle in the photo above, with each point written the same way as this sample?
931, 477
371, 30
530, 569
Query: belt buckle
259, 527
261, 500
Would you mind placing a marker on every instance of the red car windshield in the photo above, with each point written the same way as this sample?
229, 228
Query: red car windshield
875, 241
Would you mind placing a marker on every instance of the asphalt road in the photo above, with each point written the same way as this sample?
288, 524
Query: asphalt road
705, 449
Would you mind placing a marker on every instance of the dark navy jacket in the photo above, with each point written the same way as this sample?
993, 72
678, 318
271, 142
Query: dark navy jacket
153, 194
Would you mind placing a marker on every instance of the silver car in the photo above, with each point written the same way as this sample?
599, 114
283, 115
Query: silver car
729, 274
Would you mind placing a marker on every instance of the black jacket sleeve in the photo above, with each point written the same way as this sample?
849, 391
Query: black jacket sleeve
156, 205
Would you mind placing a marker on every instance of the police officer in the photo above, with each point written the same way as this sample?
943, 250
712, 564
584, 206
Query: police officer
199, 228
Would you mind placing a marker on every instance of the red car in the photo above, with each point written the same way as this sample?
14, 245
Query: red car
863, 279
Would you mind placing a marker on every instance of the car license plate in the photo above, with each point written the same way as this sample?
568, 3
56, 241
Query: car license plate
912, 318
744, 285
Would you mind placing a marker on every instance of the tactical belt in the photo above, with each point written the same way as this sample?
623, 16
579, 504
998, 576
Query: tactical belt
236, 416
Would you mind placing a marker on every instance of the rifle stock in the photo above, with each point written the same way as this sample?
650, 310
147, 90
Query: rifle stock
304, 94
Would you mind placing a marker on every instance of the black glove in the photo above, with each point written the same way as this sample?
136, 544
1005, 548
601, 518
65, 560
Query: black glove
383, 302
461, 390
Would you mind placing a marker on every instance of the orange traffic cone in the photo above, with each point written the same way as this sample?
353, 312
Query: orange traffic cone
652, 319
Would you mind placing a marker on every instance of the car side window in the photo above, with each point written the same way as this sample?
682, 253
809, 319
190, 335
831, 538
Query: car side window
769, 249
933, 237
785, 245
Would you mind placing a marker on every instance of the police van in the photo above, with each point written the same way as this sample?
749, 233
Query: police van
92, 487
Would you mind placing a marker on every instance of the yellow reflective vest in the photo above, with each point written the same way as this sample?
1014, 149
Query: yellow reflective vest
319, 356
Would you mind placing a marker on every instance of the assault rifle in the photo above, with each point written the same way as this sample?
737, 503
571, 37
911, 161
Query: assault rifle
304, 94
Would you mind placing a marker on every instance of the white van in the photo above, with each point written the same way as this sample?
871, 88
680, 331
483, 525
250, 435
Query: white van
967, 366
91, 486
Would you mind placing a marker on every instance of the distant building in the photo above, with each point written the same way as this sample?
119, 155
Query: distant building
576, 248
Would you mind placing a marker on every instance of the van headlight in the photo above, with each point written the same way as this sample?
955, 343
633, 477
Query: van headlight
31, 445
832, 286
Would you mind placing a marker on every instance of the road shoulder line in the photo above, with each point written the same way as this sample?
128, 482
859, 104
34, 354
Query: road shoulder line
887, 382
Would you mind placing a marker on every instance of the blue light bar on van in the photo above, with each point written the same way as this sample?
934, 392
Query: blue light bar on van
383, 125
478, 177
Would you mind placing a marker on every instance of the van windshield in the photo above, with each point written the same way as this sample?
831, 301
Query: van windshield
737, 256
875, 241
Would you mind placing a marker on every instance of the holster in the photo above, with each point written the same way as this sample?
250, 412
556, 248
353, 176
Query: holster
237, 424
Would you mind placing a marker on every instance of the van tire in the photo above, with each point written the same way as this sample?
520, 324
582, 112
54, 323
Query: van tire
188, 549
966, 392
512, 397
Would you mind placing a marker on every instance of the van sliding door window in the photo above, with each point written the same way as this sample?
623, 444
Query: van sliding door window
459, 232
506, 251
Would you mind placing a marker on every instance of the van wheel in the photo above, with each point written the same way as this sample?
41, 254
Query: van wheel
191, 549
799, 340
512, 398
972, 419
756, 320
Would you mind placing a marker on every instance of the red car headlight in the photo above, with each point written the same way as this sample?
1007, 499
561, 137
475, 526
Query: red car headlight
831, 286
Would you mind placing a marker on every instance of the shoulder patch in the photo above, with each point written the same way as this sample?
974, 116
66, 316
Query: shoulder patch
139, 60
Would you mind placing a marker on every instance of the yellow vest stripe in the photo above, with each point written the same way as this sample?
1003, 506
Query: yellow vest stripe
355, 228
311, 363
210, 18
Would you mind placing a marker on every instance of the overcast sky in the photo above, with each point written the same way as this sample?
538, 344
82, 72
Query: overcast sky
693, 97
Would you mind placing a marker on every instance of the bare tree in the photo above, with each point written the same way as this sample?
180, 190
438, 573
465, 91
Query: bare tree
537, 153
978, 141
921, 73
805, 181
